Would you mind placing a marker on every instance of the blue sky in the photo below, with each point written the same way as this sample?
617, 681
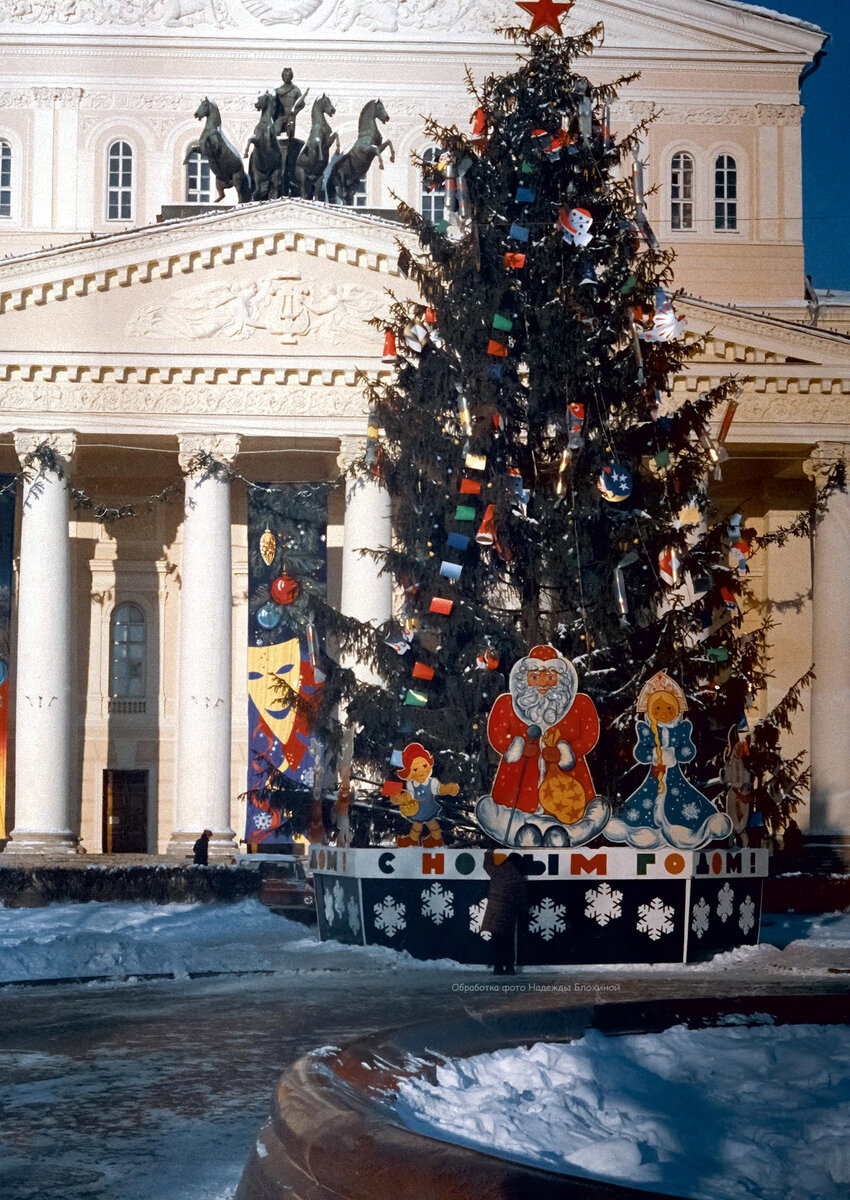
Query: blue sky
826, 156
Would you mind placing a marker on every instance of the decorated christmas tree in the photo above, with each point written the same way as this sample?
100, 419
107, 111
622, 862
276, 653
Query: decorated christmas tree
552, 499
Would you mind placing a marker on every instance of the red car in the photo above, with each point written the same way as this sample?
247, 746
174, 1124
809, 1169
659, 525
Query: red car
286, 887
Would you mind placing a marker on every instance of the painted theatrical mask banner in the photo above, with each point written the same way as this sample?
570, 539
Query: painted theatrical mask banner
287, 529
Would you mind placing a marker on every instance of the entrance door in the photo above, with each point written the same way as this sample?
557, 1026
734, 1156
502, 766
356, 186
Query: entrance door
125, 812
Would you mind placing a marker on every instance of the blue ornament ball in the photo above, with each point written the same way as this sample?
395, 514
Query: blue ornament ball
269, 616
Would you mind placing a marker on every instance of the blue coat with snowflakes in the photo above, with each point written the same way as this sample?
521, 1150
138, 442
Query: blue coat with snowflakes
666, 802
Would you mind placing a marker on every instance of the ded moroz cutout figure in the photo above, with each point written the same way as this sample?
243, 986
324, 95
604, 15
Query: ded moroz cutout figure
666, 809
543, 794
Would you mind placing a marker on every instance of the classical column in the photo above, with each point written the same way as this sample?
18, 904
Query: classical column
830, 704
205, 674
366, 593
45, 817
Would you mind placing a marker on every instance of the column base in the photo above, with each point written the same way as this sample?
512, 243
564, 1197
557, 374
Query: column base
827, 853
32, 841
221, 848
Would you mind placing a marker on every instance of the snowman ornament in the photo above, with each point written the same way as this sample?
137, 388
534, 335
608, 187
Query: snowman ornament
575, 226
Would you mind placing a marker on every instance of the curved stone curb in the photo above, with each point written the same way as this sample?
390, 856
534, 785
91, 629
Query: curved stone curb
333, 1135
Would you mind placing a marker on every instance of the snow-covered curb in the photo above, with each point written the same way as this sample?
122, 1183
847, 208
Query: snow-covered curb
735, 1112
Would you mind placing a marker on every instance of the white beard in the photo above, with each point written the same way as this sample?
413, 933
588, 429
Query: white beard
544, 710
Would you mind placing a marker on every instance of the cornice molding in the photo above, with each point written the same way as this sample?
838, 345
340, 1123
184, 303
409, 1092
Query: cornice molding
198, 243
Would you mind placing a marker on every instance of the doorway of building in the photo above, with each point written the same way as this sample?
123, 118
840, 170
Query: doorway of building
125, 812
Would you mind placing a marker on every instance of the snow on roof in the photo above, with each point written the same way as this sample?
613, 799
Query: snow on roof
759, 11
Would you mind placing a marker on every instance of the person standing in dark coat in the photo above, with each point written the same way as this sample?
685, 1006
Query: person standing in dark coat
507, 902
201, 849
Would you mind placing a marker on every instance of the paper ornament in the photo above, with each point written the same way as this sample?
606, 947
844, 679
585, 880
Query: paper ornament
518, 232
441, 606
422, 671
575, 421
464, 512
470, 487
666, 326
502, 323
414, 699
615, 482
668, 566
451, 570
524, 195
476, 462
390, 354
268, 546
497, 349
666, 809
575, 226
515, 261
458, 541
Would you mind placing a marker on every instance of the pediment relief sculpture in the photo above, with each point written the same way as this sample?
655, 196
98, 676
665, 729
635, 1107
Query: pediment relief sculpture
284, 305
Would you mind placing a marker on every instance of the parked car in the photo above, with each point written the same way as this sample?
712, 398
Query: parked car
286, 886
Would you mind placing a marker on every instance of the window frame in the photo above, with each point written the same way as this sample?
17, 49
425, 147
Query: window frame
130, 607
120, 190
200, 161
726, 206
7, 159
432, 199
676, 181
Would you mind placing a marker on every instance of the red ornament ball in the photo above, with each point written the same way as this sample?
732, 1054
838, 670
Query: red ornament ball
285, 589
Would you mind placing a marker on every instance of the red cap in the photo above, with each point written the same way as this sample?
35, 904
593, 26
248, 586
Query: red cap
543, 653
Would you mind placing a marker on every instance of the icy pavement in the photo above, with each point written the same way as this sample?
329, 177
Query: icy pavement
120, 1090
737, 1112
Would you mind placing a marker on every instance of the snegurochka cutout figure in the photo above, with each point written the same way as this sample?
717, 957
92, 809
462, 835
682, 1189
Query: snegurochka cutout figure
419, 800
666, 808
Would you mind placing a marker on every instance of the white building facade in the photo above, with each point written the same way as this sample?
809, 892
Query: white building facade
128, 344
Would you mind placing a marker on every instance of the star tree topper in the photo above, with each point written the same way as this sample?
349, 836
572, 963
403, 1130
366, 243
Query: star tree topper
546, 14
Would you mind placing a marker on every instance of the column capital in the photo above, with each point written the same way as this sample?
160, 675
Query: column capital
823, 458
61, 445
221, 447
352, 447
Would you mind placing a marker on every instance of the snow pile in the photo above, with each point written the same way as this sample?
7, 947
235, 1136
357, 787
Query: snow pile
735, 1112
117, 941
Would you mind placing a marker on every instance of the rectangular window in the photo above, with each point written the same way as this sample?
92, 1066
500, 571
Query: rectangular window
725, 193
5, 179
682, 192
198, 189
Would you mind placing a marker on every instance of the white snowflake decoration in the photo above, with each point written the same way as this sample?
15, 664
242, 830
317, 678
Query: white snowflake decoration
329, 906
547, 919
262, 820
725, 903
603, 904
437, 903
390, 916
655, 918
339, 899
666, 326
699, 924
476, 918
354, 916
747, 918
690, 811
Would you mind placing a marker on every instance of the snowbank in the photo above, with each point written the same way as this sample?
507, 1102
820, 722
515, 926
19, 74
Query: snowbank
121, 941
734, 1112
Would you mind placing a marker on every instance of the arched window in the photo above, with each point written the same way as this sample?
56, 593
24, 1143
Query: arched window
119, 182
128, 653
5, 179
725, 192
433, 199
198, 185
682, 192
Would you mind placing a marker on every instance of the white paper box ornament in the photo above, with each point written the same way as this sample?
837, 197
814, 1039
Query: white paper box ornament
575, 226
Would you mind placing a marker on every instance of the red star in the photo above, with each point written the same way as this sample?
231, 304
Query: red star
546, 13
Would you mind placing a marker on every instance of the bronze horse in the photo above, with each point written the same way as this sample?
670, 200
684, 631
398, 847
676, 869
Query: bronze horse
313, 159
346, 170
265, 164
224, 160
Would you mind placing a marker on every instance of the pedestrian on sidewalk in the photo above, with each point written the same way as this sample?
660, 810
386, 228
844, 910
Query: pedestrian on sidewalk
507, 903
201, 849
